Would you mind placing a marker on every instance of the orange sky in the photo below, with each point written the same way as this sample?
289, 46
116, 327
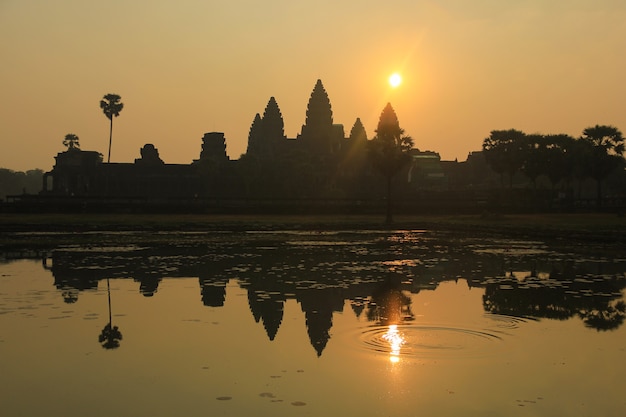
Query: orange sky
188, 67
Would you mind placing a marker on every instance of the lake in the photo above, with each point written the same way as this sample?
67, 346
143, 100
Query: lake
299, 323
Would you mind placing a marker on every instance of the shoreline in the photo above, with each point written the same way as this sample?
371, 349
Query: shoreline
38, 230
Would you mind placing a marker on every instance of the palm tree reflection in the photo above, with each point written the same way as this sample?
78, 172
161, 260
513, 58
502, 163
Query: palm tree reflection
70, 295
110, 336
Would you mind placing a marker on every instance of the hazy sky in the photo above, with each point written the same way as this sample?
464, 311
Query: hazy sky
187, 67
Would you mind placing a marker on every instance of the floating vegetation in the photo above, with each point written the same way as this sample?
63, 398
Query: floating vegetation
319, 243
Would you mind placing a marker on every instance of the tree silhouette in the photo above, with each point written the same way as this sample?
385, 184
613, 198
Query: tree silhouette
535, 157
579, 161
12, 183
389, 304
389, 150
607, 152
610, 317
559, 158
110, 336
503, 152
111, 106
71, 141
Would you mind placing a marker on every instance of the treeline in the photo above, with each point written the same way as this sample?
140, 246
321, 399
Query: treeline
564, 160
17, 182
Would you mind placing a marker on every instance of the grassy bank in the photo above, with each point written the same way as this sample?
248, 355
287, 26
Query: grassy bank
42, 222
594, 222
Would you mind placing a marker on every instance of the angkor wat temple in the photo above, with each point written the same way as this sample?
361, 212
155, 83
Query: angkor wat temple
320, 169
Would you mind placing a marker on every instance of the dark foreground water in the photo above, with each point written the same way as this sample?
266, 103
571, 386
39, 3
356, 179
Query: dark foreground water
400, 323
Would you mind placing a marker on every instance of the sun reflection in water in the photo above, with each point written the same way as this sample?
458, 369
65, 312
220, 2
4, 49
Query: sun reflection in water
396, 340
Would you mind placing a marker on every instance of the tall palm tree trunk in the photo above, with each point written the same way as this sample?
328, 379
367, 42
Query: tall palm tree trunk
110, 140
109, 294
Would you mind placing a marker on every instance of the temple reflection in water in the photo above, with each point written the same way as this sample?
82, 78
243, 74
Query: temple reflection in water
373, 272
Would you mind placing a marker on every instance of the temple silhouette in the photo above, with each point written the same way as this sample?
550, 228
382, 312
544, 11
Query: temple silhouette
326, 169
322, 168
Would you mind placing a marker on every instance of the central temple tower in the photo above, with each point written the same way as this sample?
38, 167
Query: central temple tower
317, 131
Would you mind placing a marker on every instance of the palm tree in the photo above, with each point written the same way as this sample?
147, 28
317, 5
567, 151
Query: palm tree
559, 158
534, 150
389, 150
110, 336
503, 152
111, 106
71, 141
607, 148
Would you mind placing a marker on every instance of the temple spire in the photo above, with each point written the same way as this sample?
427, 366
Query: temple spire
388, 124
358, 134
273, 124
266, 132
254, 137
317, 130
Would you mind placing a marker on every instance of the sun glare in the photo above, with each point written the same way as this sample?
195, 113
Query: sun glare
395, 80
396, 340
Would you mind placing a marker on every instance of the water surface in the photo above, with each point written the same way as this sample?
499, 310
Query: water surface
398, 323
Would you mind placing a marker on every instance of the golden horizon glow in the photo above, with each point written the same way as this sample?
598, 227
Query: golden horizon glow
452, 66
395, 80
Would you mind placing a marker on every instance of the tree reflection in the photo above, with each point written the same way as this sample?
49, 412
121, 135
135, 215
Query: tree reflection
594, 298
376, 273
148, 284
110, 336
389, 305
609, 318
70, 295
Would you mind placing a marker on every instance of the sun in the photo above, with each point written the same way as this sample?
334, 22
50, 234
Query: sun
395, 80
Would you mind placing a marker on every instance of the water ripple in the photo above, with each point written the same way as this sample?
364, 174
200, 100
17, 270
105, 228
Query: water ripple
432, 341
503, 321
